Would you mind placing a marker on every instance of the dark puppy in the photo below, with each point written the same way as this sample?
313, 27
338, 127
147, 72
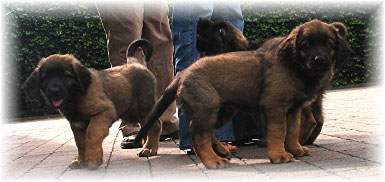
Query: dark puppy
281, 82
216, 37
312, 117
92, 100
219, 37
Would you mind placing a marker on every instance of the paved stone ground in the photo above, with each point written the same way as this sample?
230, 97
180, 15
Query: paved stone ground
348, 149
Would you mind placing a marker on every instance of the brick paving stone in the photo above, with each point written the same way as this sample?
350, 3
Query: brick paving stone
128, 169
323, 154
56, 159
327, 139
44, 173
347, 146
83, 174
364, 171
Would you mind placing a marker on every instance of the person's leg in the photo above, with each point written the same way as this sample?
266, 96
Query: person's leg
156, 28
229, 11
123, 24
185, 19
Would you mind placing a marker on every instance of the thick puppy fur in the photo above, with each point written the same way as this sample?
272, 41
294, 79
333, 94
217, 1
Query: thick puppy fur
92, 100
311, 117
281, 82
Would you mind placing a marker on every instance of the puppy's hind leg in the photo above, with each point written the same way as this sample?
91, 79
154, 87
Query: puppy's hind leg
220, 149
226, 113
150, 148
202, 143
292, 136
202, 136
308, 123
319, 119
145, 102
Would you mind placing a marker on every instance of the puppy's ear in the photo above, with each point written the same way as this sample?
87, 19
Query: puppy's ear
343, 48
340, 28
31, 86
83, 76
288, 48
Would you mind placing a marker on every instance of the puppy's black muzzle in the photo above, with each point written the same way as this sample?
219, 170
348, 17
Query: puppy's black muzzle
55, 93
320, 63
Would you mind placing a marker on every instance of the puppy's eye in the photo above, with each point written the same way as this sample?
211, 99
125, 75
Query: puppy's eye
331, 44
222, 32
43, 75
68, 73
305, 44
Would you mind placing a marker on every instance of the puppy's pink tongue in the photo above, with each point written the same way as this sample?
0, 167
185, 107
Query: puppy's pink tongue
57, 103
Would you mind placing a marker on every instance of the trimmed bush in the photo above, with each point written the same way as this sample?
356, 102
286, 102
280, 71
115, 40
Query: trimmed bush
37, 30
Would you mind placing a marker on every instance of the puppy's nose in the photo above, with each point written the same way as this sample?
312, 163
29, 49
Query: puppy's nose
54, 90
319, 59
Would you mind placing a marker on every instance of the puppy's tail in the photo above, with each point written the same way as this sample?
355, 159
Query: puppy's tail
144, 44
157, 110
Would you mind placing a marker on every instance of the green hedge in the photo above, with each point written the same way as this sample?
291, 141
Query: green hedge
35, 30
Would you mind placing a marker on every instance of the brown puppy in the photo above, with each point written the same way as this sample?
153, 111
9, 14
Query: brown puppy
210, 41
92, 100
281, 82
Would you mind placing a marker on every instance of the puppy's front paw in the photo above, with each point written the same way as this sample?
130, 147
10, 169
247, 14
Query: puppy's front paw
300, 151
216, 163
280, 157
76, 164
94, 164
307, 151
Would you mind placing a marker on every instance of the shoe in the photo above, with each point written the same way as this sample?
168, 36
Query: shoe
190, 152
171, 136
232, 148
128, 142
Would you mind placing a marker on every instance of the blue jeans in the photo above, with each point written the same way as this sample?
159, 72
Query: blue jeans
184, 31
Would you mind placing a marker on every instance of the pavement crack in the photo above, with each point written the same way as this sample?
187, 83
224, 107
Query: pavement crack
109, 157
325, 170
202, 169
253, 166
320, 146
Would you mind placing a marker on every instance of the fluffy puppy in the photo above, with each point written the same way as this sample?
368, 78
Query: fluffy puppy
92, 100
211, 39
281, 82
